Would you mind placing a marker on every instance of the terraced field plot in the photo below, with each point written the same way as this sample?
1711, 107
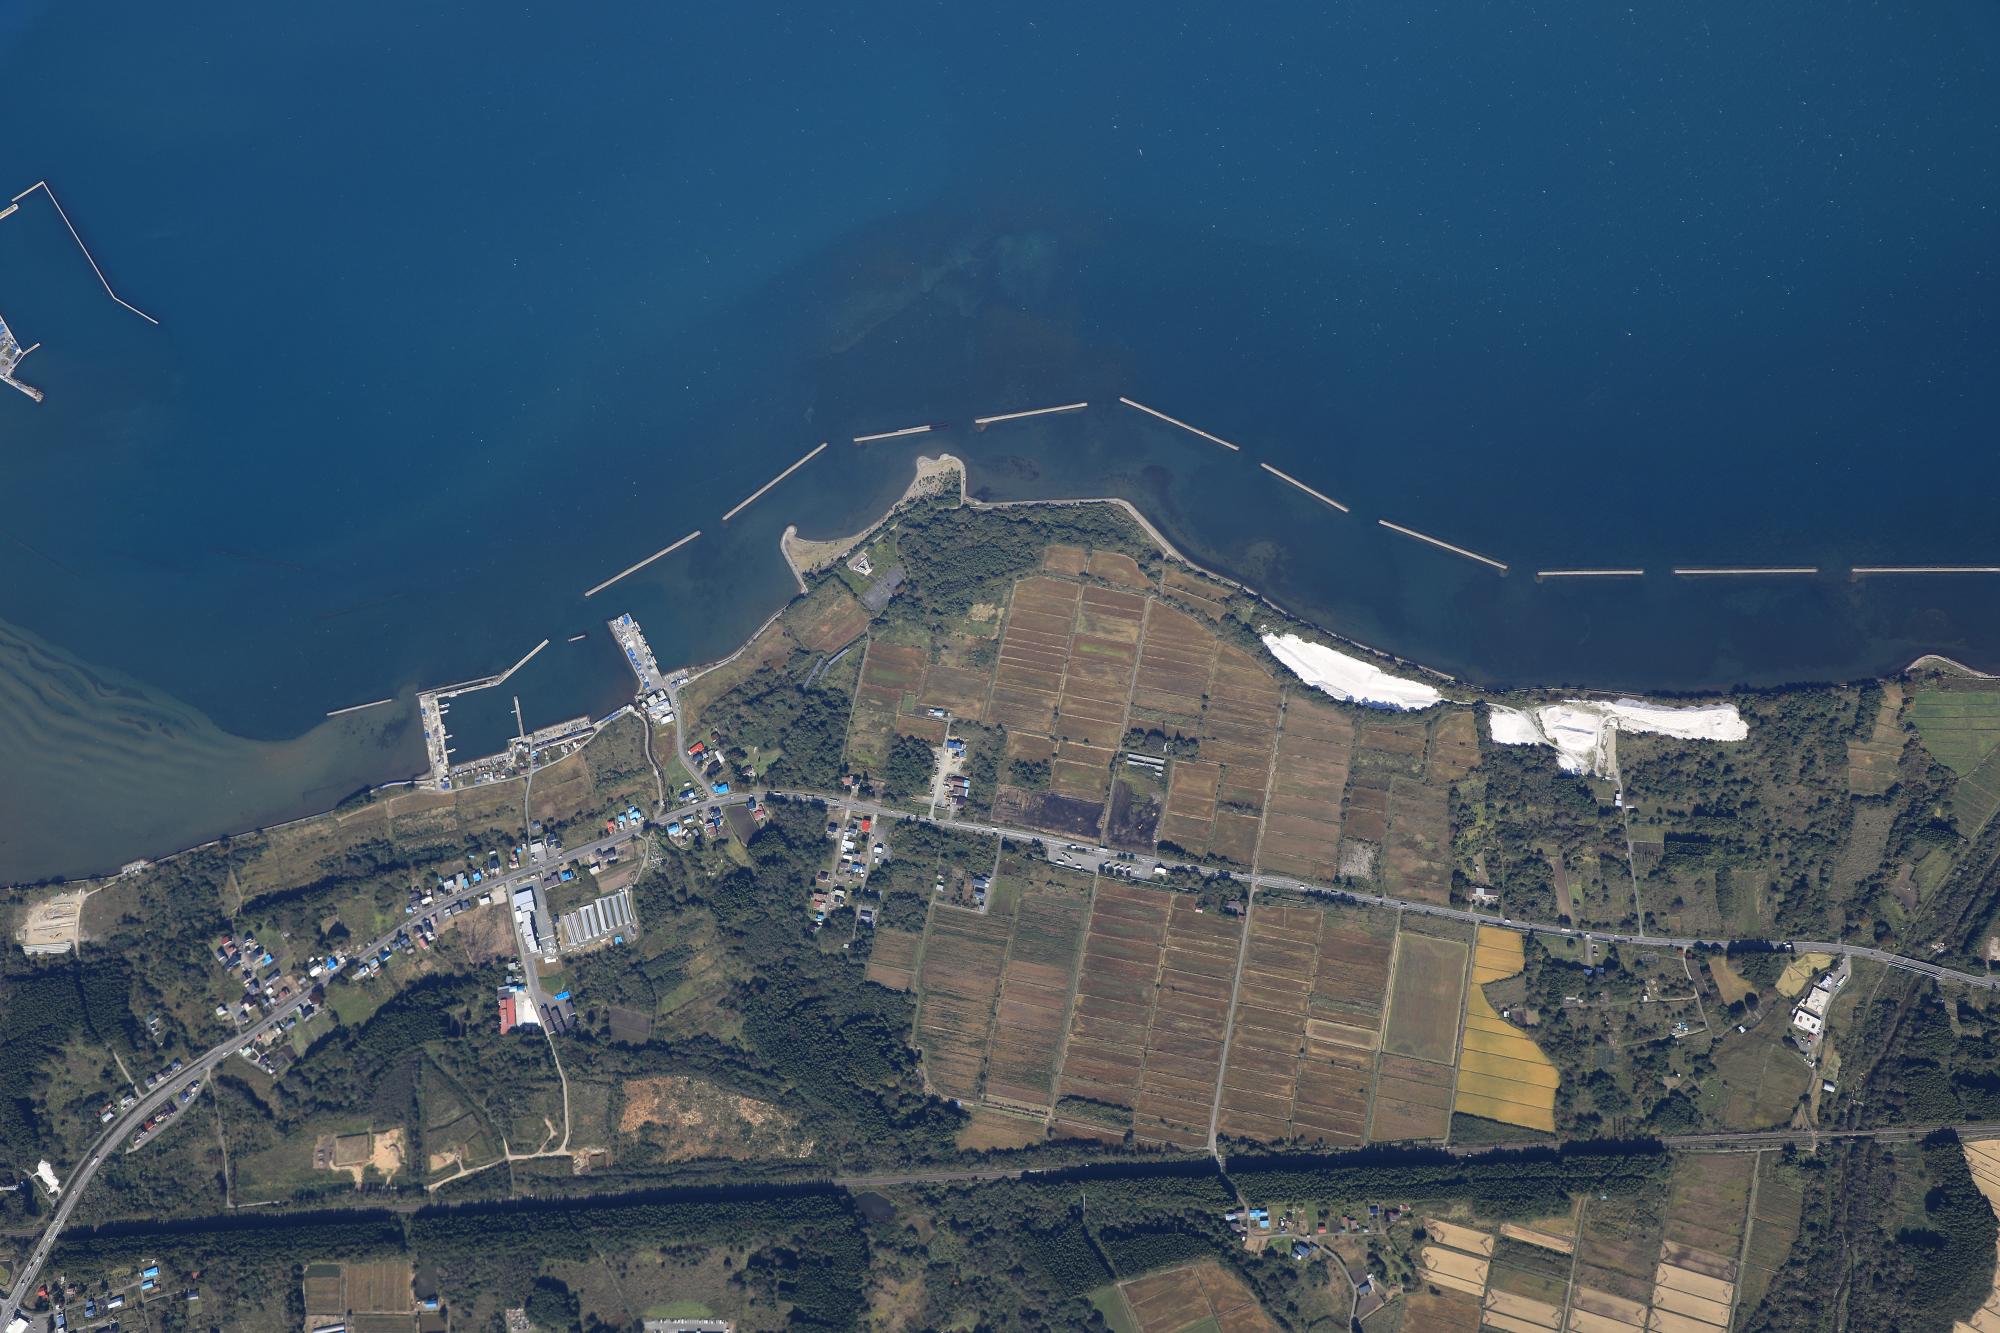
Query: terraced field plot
1119, 568
1184, 1045
1034, 648
892, 958
889, 672
1412, 1099
1239, 731
1198, 1298
1502, 1074
1343, 1025
960, 976
1273, 994
1035, 991
1204, 594
1103, 654
1872, 763
1082, 772
1114, 994
1176, 658
1190, 816
1302, 823
1774, 1227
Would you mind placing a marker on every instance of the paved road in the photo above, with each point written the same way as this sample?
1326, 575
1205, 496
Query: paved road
1085, 856
1090, 854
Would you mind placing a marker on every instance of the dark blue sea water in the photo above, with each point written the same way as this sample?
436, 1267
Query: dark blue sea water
466, 307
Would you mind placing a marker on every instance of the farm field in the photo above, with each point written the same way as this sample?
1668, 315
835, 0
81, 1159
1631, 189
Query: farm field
1426, 997
1308, 1023
1502, 1074
1774, 1227
1034, 649
1114, 996
893, 960
1202, 1296
1872, 762
962, 957
890, 674
1302, 824
1036, 985
1146, 1032
1280, 962
1184, 1045
1958, 721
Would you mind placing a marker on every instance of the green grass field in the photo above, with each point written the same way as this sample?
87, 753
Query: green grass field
1961, 726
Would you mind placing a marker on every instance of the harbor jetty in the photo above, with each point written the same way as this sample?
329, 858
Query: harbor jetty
43, 186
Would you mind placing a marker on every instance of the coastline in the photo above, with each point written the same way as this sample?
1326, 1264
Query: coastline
804, 556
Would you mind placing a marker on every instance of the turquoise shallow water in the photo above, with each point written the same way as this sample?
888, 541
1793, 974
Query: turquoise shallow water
466, 309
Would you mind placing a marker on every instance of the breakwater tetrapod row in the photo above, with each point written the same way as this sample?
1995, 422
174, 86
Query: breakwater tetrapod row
432, 702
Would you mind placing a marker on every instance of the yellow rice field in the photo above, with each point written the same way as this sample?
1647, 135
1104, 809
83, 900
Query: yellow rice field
1502, 1074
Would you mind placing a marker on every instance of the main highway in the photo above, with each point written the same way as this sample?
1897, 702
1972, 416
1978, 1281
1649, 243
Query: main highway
1084, 856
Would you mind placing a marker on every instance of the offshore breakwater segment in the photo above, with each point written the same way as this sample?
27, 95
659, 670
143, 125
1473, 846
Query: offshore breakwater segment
982, 423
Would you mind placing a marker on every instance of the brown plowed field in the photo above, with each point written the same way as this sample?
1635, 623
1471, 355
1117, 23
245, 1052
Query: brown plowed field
1119, 568
1204, 595
1354, 950
892, 960
1102, 657
1240, 726
1416, 862
1114, 994
1034, 645
1060, 559
1302, 819
1412, 1099
960, 691
1082, 771
1175, 661
1184, 1049
1269, 1029
1034, 997
963, 952
1190, 817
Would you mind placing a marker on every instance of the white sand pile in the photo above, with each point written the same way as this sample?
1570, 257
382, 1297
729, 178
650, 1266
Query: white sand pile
1349, 678
1581, 730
